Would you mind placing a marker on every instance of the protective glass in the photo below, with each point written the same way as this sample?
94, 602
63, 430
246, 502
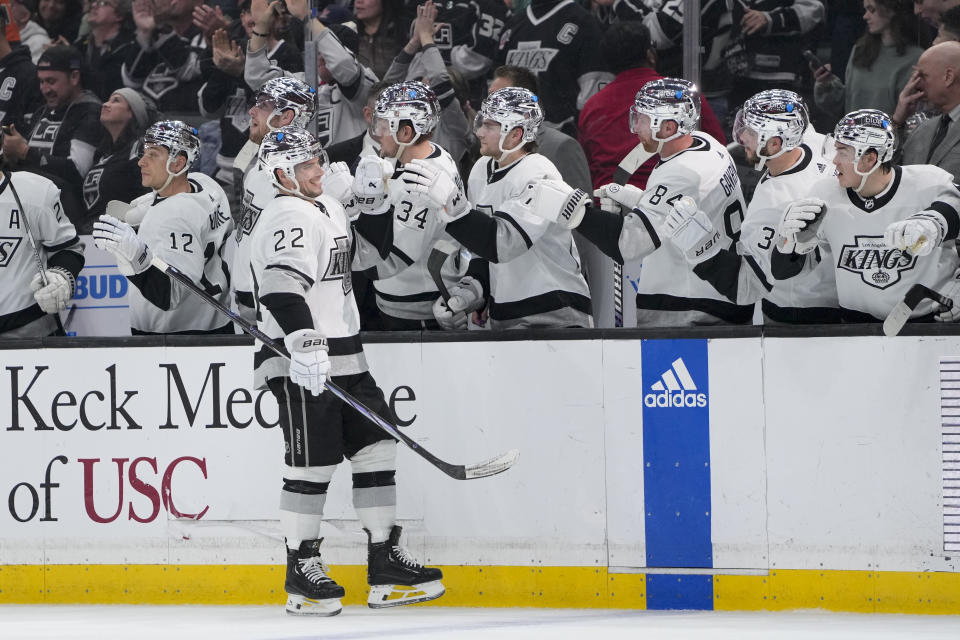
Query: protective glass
639, 123
837, 152
744, 134
380, 126
485, 126
264, 103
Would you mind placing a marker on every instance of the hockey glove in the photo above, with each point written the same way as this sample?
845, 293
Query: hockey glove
436, 186
796, 217
917, 234
691, 231
952, 291
53, 296
615, 197
338, 184
132, 254
309, 363
558, 202
465, 297
370, 185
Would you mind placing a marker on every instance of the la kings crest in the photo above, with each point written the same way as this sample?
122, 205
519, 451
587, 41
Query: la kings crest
531, 55
338, 265
8, 247
878, 265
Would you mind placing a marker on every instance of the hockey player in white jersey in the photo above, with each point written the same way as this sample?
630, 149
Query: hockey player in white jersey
300, 259
179, 225
664, 117
280, 102
774, 128
34, 215
535, 274
888, 227
404, 119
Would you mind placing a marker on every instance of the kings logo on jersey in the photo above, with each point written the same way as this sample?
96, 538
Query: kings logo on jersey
877, 264
530, 55
338, 267
8, 246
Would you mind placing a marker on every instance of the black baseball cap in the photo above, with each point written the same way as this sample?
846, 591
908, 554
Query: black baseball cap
60, 58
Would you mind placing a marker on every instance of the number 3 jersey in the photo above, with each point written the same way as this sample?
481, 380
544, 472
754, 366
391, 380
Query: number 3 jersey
301, 248
872, 277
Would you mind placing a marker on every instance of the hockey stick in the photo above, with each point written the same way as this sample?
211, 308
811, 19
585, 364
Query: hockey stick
33, 243
627, 167
483, 469
900, 313
438, 256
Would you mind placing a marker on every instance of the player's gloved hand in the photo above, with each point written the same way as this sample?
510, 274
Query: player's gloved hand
951, 290
309, 363
53, 297
370, 185
691, 231
435, 185
556, 201
132, 254
918, 235
796, 217
615, 197
338, 183
465, 297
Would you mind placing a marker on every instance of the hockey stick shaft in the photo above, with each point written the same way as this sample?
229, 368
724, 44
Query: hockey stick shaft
625, 170
459, 472
33, 244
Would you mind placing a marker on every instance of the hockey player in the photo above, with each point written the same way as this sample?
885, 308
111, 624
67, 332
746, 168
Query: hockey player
32, 215
693, 164
773, 127
300, 260
888, 227
535, 275
404, 119
280, 102
179, 224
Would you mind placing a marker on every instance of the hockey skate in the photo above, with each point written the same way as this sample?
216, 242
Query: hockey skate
395, 578
310, 591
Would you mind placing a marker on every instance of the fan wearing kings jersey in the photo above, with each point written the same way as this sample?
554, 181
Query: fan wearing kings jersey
280, 102
300, 260
26, 304
184, 223
404, 118
888, 227
535, 275
692, 164
774, 128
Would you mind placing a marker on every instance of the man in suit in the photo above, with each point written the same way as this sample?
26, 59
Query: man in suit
936, 79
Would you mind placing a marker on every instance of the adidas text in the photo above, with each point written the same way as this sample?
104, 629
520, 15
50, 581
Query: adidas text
675, 399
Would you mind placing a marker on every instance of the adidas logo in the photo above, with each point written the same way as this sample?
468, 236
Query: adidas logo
675, 388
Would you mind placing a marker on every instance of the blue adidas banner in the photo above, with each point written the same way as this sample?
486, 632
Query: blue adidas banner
676, 468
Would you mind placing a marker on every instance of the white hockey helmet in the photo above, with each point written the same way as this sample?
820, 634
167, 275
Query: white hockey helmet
862, 131
177, 138
666, 99
775, 113
512, 107
286, 148
285, 93
406, 101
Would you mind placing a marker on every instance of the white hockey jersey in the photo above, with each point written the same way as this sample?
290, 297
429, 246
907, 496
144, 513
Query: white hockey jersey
20, 316
187, 230
411, 292
537, 279
872, 277
303, 248
816, 287
669, 293
258, 192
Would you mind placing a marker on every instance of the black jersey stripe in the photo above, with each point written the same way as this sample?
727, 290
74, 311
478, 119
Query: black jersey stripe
542, 303
726, 311
285, 267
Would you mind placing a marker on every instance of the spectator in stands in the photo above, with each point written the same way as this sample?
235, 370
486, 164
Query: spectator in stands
32, 35
19, 75
928, 15
107, 45
845, 26
64, 133
61, 19
345, 82
164, 61
557, 40
936, 80
767, 42
605, 120
420, 59
880, 64
115, 175
364, 144
382, 31
949, 26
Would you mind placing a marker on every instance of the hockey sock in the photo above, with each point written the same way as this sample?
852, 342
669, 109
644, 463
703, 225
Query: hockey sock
301, 510
374, 489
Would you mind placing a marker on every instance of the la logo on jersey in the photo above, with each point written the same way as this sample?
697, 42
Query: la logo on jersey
877, 264
675, 388
8, 246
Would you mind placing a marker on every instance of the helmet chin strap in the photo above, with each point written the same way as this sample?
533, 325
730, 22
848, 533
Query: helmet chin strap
863, 176
663, 141
170, 176
504, 152
402, 146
